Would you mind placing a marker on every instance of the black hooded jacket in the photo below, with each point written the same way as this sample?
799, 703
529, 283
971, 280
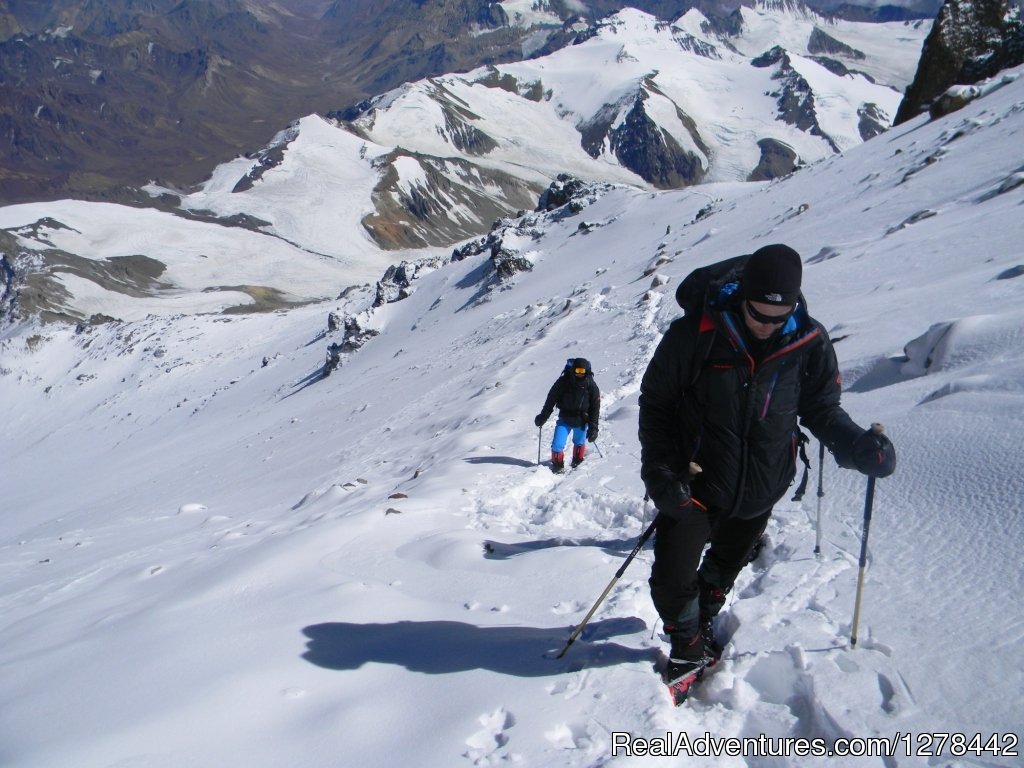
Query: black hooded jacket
736, 416
578, 399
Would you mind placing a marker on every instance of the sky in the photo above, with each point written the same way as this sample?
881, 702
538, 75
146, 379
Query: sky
211, 555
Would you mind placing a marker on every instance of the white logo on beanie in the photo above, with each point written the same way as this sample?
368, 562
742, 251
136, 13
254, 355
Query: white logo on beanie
773, 297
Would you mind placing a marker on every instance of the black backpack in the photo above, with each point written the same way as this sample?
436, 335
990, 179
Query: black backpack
693, 293
701, 284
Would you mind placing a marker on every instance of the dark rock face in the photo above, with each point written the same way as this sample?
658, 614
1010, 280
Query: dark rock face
355, 333
821, 42
397, 282
268, 158
777, 159
394, 285
651, 153
561, 191
837, 67
794, 98
1009, 53
970, 40
508, 263
872, 121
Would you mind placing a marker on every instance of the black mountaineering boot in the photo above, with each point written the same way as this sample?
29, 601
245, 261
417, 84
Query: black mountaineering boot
711, 601
712, 648
686, 663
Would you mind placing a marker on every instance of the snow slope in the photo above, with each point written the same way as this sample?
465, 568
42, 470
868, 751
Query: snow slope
204, 263
211, 556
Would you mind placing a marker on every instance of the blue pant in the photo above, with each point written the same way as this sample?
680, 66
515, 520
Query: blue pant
561, 438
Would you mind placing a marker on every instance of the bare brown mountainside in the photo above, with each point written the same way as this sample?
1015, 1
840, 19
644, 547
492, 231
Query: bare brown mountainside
100, 95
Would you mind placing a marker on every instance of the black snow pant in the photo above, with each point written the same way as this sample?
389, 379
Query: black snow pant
687, 590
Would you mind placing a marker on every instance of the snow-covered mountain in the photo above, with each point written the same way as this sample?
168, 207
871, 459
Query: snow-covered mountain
210, 555
636, 101
640, 101
437, 161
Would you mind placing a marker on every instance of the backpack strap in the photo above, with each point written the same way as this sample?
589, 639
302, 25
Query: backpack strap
702, 347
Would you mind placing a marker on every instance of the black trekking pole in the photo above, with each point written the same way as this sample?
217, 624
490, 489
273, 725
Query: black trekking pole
821, 492
869, 500
694, 469
540, 431
618, 575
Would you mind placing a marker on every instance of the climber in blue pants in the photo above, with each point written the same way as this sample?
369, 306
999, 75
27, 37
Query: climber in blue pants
578, 399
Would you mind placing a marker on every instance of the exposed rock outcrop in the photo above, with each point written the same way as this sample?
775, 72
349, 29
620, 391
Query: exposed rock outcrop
777, 159
648, 150
794, 97
970, 40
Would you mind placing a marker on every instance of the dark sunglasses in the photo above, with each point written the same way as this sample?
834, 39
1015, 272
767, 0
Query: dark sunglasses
767, 319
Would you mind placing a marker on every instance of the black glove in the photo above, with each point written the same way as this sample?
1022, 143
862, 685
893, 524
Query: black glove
592, 434
874, 454
539, 420
673, 500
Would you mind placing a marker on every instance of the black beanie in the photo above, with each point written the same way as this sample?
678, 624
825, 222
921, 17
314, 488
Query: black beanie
772, 275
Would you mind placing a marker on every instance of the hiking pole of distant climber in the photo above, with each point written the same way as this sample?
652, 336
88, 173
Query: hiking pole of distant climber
821, 492
694, 470
540, 432
869, 501
599, 451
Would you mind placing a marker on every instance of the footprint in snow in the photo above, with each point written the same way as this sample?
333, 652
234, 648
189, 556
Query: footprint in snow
572, 606
569, 736
488, 744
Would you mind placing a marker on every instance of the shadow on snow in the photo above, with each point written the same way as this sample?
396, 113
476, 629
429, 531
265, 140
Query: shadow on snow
506, 460
310, 380
498, 550
446, 647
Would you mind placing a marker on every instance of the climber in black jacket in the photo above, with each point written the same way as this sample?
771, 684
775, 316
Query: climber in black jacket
724, 390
